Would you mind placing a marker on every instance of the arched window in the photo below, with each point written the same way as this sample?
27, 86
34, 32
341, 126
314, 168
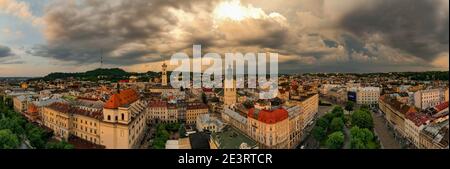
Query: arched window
109, 117
123, 116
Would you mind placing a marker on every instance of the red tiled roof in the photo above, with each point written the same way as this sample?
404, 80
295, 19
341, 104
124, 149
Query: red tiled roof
441, 106
418, 118
122, 98
269, 117
32, 108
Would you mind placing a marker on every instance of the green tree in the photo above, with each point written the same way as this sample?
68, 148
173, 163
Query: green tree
173, 127
335, 140
337, 124
36, 136
13, 123
59, 145
319, 133
338, 111
349, 106
162, 135
329, 116
364, 107
8, 140
159, 143
362, 138
323, 122
362, 119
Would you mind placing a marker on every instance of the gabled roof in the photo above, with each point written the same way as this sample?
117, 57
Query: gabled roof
122, 98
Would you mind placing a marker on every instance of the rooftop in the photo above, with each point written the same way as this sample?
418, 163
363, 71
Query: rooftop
157, 103
123, 98
268, 116
417, 118
438, 132
441, 106
230, 138
236, 116
199, 141
397, 105
196, 105
68, 109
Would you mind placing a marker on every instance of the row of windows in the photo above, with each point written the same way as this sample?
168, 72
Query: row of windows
116, 118
92, 131
140, 127
86, 122
85, 137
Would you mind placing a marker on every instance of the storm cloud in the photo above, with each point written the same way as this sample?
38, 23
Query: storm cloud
418, 27
123, 32
309, 35
5, 51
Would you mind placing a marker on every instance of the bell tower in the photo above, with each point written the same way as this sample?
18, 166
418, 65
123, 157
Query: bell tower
164, 75
229, 91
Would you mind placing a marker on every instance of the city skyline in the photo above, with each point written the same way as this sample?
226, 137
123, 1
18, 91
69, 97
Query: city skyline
40, 37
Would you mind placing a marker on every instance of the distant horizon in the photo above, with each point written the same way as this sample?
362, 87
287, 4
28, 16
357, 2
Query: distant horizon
244, 74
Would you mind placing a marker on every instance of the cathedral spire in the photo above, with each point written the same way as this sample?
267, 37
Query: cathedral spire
164, 74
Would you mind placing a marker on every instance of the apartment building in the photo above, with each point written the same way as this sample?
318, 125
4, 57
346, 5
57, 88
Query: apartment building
120, 124
428, 98
194, 110
309, 105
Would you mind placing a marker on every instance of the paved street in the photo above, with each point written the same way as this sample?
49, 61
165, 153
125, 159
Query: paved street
347, 138
386, 137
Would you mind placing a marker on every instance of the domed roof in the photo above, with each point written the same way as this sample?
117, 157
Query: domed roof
268, 116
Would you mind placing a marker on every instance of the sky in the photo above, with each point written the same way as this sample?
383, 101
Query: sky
40, 37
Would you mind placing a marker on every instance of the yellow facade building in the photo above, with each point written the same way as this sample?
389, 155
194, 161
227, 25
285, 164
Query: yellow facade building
194, 110
120, 125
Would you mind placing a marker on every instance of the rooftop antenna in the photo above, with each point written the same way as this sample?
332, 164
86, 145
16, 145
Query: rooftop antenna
101, 60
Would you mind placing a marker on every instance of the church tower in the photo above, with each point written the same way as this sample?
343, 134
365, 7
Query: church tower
164, 75
229, 91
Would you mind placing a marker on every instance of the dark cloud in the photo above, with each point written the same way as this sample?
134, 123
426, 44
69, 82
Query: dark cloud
353, 44
363, 35
417, 27
8, 57
274, 38
125, 32
5, 51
